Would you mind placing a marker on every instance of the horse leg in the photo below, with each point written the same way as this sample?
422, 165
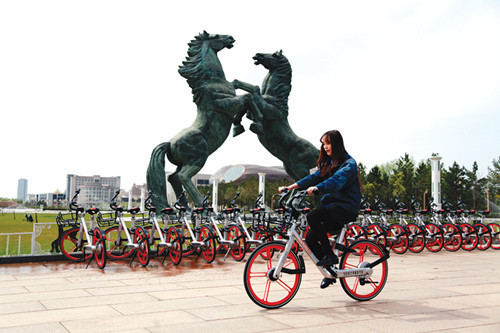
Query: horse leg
156, 175
253, 112
237, 127
185, 174
173, 179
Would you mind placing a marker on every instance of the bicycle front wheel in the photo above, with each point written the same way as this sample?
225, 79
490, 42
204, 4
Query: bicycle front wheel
100, 248
174, 252
207, 250
142, 252
260, 284
367, 252
116, 244
69, 245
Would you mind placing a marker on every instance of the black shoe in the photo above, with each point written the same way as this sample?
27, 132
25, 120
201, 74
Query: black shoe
328, 260
326, 282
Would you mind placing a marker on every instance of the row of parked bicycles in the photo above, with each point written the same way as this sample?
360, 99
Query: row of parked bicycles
179, 231
402, 230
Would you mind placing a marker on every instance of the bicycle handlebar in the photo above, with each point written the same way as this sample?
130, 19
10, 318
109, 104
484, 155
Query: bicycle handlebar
206, 203
177, 204
112, 204
73, 205
233, 201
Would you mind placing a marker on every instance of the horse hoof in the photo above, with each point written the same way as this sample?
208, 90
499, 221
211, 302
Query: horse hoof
238, 129
257, 129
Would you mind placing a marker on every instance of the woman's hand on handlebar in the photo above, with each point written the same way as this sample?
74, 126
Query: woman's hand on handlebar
312, 190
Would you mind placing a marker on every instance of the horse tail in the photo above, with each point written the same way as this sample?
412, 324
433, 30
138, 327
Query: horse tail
155, 175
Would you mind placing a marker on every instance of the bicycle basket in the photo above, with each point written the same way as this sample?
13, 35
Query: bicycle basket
67, 220
142, 220
105, 220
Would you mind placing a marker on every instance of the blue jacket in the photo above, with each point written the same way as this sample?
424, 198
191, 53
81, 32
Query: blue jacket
341, 190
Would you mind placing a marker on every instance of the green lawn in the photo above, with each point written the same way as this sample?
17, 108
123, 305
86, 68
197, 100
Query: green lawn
13, 223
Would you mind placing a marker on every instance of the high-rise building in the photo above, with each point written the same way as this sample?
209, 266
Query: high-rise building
95, 190
22, 189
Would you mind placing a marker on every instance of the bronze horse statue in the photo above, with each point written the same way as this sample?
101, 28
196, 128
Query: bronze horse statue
217, 105
270, 107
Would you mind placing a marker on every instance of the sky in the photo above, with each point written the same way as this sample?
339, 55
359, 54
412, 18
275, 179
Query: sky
91, 87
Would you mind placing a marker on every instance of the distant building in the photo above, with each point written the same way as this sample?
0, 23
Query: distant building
95, 190
22, 189
50, 199
241, 172
135, 193
202, 179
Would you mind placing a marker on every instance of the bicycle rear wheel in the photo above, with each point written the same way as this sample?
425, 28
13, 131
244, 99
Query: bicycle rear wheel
397, 238
353, 233
416, 238
142, 252
364, 289
236, 235
208, 250
116, 245
452, 237
377, 234
100, 249
69, 245
175, 252
483, 236
495, 235
260, 285
469, 237
433, 237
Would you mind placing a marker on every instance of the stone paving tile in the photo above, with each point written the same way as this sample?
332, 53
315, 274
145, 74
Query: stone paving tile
240, 325
167, 305
42, 296
74, 286
76, 302
23, 307
49, 316
4, 290
39, 328
119, 323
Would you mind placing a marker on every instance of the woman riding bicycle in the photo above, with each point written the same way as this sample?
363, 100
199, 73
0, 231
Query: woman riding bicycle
338, 182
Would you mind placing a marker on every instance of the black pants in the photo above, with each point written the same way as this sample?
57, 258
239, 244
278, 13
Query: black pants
322, 221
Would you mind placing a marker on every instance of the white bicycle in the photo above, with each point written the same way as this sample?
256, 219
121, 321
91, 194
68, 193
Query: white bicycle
273, 271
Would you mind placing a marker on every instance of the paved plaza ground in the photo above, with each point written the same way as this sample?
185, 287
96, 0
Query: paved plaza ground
426, 292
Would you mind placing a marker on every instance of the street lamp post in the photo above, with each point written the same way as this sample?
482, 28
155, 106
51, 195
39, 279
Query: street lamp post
487, 198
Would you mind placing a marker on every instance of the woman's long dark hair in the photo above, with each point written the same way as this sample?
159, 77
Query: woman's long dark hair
338, 152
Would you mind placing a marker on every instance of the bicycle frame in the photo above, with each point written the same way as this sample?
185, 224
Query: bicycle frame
123, 227
156, 226
85, 230
331, 273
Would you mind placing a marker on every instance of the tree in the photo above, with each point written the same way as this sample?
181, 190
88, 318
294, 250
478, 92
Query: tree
493, 181
453, 185
422, 183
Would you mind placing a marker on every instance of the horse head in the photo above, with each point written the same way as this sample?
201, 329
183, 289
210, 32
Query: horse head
270, 60
202, 64
277, 83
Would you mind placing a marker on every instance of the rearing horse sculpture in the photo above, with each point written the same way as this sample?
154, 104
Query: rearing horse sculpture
217, 104
270, 106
